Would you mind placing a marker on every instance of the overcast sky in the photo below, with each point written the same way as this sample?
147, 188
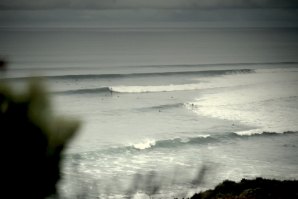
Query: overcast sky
102, 13
168, 4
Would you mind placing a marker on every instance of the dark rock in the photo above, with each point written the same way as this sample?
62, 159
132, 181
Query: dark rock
252, 189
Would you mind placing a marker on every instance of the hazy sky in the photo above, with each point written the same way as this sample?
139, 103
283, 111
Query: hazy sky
114, 13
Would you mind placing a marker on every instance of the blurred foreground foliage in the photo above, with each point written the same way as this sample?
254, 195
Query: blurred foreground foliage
32, 141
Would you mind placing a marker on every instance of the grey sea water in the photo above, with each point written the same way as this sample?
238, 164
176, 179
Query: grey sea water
162, 108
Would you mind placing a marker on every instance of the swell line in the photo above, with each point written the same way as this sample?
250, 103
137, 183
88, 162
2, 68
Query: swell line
165, 65
137, 75
162, 107
84, 91
203, 73
224, 64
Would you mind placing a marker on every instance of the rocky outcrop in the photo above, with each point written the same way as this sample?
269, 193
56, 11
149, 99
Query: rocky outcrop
252, 189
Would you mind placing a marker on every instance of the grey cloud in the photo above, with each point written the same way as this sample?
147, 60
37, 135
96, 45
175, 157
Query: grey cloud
146, 4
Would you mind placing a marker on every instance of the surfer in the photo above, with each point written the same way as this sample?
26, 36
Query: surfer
111, 91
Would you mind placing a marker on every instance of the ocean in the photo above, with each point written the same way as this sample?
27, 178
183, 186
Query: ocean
165, 112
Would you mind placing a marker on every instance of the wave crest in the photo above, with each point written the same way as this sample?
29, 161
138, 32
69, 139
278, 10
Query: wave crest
170, 143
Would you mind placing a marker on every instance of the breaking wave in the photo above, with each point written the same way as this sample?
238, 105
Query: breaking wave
160, 88
202, 139
259, 132
152, 144
134, 89
142, 89
144, 145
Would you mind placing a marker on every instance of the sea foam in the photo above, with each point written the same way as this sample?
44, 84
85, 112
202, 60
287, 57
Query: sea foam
267, 103
146, 144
